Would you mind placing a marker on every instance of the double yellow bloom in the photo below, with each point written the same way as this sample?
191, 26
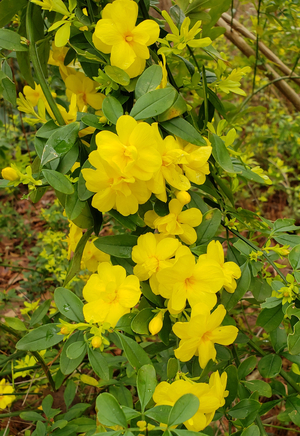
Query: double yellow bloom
127, 44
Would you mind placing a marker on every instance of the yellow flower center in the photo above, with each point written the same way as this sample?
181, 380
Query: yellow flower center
152, 264
111, 293
206, 336
190, 282
128, 38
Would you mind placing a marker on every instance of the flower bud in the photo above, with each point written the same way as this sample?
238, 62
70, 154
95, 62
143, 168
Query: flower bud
64, 330
96, 341
10, 174
183, 196
156, 323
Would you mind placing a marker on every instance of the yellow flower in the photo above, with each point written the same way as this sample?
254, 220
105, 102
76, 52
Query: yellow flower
230, 269
188, 280
177, 222
113, 189
110, 294
85, 90
164, 79
199, 335
116, 34
56, 57
171, 155
151, 254
209, 395
30, 306
52, 5
133, 151
231, 83
183, 38
196, 166
10, 174
73, 238
92, 256
6, 400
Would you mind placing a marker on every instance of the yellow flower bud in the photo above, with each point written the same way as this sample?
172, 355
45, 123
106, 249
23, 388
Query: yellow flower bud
64, 330
183, 196
10, 174
103, 120
96, 341
156, 323
142, 425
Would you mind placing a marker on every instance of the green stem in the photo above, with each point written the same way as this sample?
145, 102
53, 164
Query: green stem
204, 85
8, 415
283, 428
261, 427
236, 233
37, 66
256, 46
265, 86
35, 354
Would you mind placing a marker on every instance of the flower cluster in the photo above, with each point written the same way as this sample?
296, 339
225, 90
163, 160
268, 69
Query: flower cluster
136, 162
174, 274
211, 396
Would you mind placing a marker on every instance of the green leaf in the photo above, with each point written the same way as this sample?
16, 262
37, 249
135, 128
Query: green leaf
146, 384
153, 103
159, 413
70, 393
124, 397
117, 75
40, 338
69, 304
76, 349
67, 366
58, 181
8, 8
269, 366
109, 411
220, 153
74, 206
172, 368
294, 257
157, 300
148, 81
263, 388
286, 239
294, 340
179, 107
10, 40
31, 416
76, 260
208, 228
183, 129
218, 105
16, 324
9, 90
244, 408
112, 109
230, 300
98, 363
60, 142
119, 245
125, 221
279, 339
246, 367
184, 409
269, 319
39, 313
136, 356
251, 431
141, 321
232, 384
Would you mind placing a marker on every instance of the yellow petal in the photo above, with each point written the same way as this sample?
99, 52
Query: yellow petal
122, 55
125, 126
146, 32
